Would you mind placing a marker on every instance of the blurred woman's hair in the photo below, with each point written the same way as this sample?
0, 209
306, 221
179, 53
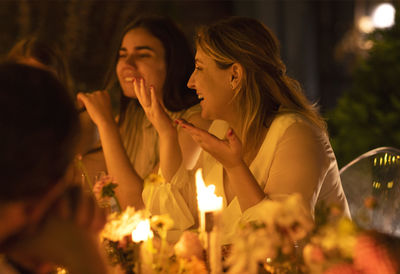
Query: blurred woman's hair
179, 62
39, 126
46, 53
265, 88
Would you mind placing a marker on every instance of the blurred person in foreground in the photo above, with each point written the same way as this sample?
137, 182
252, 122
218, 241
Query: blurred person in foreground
45, 221
40, 52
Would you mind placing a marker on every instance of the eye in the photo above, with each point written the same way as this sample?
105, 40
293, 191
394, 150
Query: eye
122, 55
198, 68
143, 55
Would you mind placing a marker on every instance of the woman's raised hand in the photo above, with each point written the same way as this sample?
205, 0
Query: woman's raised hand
228, 151
98, 105
152, 107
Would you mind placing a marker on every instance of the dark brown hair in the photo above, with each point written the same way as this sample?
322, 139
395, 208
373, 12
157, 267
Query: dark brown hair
39, 127
178, 58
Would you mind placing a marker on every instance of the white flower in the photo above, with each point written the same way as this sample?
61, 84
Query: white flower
282, 223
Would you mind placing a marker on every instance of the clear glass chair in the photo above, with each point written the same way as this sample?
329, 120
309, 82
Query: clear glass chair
372, 186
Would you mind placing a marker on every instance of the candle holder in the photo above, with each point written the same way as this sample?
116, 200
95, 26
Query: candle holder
213, 242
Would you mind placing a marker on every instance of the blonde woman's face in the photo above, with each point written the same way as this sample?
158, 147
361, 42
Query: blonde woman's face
141, 55
212, 85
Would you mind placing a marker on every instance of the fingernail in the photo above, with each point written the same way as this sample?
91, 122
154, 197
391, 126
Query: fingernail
230, 132
176, 121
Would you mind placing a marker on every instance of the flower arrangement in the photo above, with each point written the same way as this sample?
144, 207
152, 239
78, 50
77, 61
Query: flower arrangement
272, 242
287, 240
126, 246
339, 246
284, 240
137, 242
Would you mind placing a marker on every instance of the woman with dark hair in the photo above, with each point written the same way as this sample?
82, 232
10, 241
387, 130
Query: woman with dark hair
152, 51
266, 141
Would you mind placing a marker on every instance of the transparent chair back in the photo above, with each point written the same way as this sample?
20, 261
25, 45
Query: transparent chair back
371, 183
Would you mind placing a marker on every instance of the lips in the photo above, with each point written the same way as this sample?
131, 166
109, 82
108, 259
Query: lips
128, 75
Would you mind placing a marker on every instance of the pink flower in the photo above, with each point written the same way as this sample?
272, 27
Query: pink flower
313, 254
189, 245
371, 256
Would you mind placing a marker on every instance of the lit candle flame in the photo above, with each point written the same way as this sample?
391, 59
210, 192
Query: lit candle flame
206, 198
142, 231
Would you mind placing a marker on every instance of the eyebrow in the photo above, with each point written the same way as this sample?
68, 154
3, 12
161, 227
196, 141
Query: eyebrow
138, 48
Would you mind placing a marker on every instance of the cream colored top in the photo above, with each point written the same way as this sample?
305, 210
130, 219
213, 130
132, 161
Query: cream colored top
295, 156
140, 139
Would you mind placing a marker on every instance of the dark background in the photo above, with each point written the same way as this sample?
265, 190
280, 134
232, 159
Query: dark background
309, 31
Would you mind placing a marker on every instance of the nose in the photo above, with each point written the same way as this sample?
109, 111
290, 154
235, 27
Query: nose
130, 60
190, 83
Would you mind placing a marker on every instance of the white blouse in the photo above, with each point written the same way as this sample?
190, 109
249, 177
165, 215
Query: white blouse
295, 157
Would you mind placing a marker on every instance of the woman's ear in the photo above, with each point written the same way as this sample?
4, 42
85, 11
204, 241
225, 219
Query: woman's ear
237, 75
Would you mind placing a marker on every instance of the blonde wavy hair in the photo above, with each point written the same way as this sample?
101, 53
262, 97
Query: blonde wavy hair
265, 88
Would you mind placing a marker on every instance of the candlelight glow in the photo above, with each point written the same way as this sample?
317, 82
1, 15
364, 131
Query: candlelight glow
206, 198
120, 225
142, 231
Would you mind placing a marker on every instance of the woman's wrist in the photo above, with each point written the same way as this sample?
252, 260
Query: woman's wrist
168, 131
109, 125
233, 168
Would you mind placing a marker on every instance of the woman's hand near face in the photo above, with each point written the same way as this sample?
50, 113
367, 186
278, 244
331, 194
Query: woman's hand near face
152, 107
228, 151
98, 105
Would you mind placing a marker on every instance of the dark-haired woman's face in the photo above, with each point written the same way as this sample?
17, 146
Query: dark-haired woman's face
141, 55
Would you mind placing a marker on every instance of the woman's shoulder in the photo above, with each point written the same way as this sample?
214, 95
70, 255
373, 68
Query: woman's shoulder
187, 113
193, 116
291, 124
283, 120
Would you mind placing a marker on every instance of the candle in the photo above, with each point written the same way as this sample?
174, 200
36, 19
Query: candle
142, 232
143, 236
207, 201
210, 206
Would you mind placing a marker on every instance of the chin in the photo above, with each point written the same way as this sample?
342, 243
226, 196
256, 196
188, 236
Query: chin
207, 116
128, 94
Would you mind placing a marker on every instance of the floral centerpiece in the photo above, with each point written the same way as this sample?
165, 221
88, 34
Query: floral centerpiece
151, 254
137, 242
338, 245
284, 240
287, 240
271, 244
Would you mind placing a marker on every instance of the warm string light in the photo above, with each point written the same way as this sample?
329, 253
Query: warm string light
386, 160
